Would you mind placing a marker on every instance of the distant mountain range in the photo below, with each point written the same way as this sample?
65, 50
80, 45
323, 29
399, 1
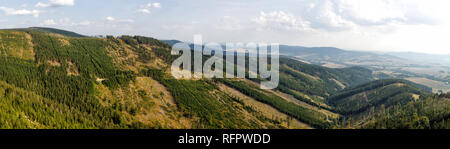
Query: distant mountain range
442, 59
404, 65
323, 55
330, 56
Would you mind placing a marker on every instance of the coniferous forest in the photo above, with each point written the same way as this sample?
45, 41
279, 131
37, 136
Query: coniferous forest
56, 79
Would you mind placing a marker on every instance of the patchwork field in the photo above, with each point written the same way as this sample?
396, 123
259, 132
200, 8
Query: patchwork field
435, 85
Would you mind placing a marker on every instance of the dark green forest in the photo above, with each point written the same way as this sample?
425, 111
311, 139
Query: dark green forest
431, 112
52, 78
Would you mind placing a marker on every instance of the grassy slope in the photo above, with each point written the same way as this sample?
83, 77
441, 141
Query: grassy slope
362, 97
55, 31
104, 83
313, 84
311, 117
101, 80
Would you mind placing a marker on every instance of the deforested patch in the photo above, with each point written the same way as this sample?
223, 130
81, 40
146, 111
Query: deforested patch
72, 70
54, 63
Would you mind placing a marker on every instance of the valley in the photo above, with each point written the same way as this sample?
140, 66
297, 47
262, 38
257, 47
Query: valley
416, 67
56, 79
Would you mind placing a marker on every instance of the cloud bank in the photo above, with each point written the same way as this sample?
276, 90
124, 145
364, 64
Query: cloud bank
56, 3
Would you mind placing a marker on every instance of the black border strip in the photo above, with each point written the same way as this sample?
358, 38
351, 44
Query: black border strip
278, 137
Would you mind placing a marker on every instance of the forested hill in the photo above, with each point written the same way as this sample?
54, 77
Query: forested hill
52, 31
116, 82
52, 78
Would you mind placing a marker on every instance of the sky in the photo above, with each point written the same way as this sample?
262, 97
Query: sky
366, 25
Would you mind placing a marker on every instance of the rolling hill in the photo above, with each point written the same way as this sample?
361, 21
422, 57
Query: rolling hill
333, 57
431, 112
416, 67
51, 78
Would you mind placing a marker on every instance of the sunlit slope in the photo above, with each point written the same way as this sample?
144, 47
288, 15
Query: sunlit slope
432, 112
16, 44
54, 31
53, 79
381, 92
362, 103
313, 84
106, 81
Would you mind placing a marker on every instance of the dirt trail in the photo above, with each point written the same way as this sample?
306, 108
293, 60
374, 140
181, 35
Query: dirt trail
266, 110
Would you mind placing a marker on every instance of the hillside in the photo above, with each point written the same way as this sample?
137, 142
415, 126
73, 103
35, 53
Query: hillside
108, 82
431, 112
336, 58
24, 109
361, 103
51, 78
51, 31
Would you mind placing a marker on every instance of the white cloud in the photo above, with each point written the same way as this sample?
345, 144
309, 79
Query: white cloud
39, 4
56, 3
277, 20
338, 15
351, 15
157, 5
110, 18
145, 9
49, 22
326, 16
372, 11
381, 25
374, 25
20, 12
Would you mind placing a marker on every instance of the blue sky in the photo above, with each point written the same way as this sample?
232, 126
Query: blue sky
371, 25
